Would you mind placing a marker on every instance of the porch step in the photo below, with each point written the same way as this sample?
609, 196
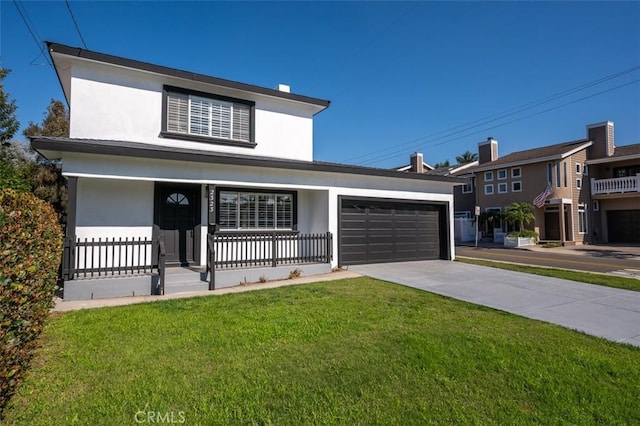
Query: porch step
183, 280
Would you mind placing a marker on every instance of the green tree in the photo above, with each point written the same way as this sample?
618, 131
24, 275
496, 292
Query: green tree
55, 122
445, 163
467, 157
47, 181
16, 165
520, 214
8, 121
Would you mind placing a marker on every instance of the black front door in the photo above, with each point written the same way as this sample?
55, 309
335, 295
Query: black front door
177, 208
551, 226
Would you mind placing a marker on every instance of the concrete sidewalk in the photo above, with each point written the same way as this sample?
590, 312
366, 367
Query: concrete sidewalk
597, 310
74, 305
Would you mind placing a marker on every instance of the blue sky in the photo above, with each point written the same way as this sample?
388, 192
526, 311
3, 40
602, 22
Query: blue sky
433, 77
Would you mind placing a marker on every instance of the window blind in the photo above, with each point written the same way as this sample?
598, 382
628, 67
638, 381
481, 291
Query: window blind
208, 117
177, 112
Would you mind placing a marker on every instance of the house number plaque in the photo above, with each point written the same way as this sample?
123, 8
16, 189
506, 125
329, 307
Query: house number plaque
211, 205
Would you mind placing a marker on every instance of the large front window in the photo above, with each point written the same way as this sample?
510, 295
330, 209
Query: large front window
255, 210
198, 116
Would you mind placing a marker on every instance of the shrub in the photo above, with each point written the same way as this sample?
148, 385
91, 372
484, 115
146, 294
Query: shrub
296, 273
30, 250
526, 233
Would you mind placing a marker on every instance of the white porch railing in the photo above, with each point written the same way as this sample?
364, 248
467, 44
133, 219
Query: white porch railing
615, 185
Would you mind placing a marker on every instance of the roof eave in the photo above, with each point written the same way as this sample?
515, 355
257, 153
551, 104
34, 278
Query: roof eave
139, 150
613, 159
560, 156
78, 52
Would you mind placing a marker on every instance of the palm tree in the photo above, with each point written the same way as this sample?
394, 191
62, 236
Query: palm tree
519, 213
467, 157
445, 163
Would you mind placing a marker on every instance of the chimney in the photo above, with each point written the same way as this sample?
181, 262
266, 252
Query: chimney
284, 88
417, 162
601, 134
487, 150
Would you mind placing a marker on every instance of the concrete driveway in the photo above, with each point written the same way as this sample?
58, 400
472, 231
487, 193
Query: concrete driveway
601, 311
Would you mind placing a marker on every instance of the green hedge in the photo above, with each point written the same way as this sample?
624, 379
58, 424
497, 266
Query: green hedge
30, 252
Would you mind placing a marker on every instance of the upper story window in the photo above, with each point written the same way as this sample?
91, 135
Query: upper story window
467, 188
488, 189
516, 172
207, 118
626, 171
502, 174
579, 168
488, 176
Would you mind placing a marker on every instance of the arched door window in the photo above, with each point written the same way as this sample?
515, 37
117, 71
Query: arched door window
177, 199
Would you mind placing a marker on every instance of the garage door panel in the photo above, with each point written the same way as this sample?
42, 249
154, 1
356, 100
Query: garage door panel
623, 226
387, 231
355, 239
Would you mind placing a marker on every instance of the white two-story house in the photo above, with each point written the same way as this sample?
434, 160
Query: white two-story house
169, 170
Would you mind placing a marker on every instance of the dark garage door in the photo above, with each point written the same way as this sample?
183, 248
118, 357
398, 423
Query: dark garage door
374, 231
623, 226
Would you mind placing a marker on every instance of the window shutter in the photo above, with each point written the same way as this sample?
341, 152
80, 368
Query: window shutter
221, 120
199, 122
177, 112
241, 122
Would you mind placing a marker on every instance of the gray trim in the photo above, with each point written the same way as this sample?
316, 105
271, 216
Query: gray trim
144, 150
145, 66
206, 139
72, 198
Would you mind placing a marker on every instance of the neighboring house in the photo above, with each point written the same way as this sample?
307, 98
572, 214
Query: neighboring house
416, 164
613, 176
464, 195
587, 190
172, 168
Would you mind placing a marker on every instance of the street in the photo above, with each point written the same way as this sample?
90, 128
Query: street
586, 258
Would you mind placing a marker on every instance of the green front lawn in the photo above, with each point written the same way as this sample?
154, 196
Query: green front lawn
356, 351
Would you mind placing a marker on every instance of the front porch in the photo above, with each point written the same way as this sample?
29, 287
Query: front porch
122, 267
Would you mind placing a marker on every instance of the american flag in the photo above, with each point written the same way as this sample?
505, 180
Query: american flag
540, 199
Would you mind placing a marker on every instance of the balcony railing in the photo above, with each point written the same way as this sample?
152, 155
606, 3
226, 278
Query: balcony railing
615, 185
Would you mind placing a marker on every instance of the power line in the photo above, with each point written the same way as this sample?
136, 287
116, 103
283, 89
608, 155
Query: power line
73, 18
36, 39
495, 117
401, 152
375, 156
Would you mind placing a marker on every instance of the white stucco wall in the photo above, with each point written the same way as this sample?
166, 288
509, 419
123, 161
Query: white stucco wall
313, 212
109, 102
108, 208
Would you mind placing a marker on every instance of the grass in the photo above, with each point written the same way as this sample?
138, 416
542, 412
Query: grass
356, 351
585, 277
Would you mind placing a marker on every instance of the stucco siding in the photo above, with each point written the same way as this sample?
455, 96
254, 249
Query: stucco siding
108, 208
121, 104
